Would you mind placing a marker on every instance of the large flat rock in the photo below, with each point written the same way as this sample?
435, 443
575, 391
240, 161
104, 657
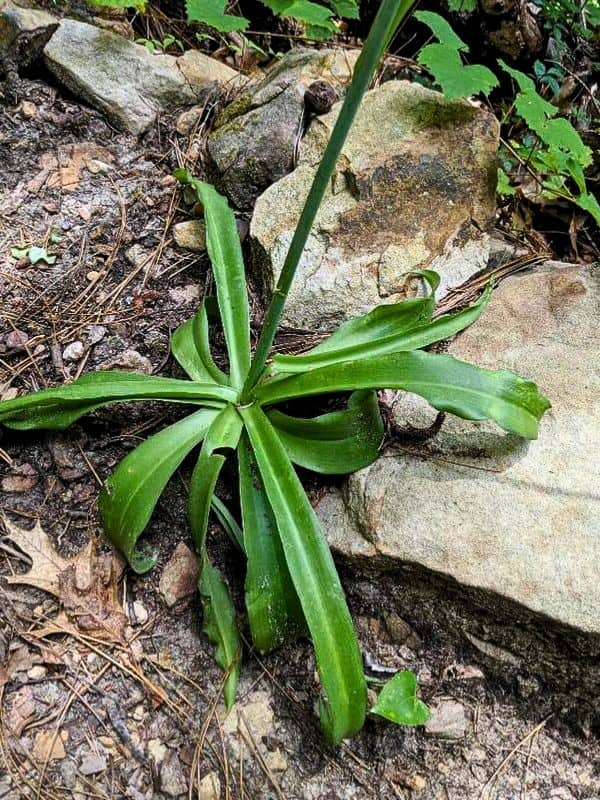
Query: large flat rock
415, 188
123, 80
519, 519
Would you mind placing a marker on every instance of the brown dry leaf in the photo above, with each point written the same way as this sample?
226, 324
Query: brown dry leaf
49, 746
72, 159
21, 710
86, 584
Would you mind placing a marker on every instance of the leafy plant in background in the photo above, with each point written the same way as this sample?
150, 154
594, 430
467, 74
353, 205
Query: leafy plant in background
318, 19
551, 148
291, 586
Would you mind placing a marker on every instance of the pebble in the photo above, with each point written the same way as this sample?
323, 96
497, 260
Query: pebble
157, 750
130, 359
179, 576
73, 351
209, 787
190, 235
172, 778
140, 613
16, 340
92, 764
93, 276
448, 720
37, 672
188, 119
95, 333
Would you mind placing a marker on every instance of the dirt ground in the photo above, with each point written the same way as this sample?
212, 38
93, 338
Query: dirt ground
138, 715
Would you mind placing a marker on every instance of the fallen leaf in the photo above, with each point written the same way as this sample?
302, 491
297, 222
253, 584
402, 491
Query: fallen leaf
86, 584
21, 710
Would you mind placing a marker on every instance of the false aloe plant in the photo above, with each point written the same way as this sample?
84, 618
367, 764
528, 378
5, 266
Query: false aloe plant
292, 586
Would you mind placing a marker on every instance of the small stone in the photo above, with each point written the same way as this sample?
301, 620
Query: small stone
139, 712
448, 720
16, 340
179, 576
138, 256
129, 359
37, 672
157, 750
73, 351
190, 235
93, 764
140, 613
276, 761
93, 276
209, 787
320, 97
187, 121
48, 747
28, 109
10, 393
95, 333
22, 479
172, 778
184, 295
400, 631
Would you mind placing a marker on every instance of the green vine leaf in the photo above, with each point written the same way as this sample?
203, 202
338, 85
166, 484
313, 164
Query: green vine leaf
399, 703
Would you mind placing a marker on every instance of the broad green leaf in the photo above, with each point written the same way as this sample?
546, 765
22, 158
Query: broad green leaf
220, 625
223, 434
336, 443
129, 496
36, 254
212, 13
348, 9
454, 78
190, 346
441, 29
316, 582
503, 186
445, 382
462, 6
303, 11
399, 703
58, 408
225, 251
274, 612
409, 335
589, 203
228, 522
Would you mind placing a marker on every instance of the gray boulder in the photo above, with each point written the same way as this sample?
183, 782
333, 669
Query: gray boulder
518, 519
123, 80
415, 188
24, 33
256, 138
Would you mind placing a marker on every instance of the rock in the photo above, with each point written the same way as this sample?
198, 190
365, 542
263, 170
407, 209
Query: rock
180, 575
129, 359
140, 613
172, 778
255, 716
22, 478
95, 333
37, 673
93, 764
183, 295
256, 137
24, 32
73, 351
201, 70
415, 190
448, 720
122, 79
191, 235
158, 750
210, 787
515, 518
49, 747
187, 120
16, 340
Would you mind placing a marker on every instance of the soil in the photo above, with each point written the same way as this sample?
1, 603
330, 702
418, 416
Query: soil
84, 717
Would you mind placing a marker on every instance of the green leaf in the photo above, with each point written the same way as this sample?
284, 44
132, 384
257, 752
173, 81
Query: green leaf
336, 443
220, 625
139, 5
589, 203
129, 496
212, 13
462, 6
274, 612
190, 346
223, 434
225, 251
454, 78
399, 703
228, 522
303, 11
58, 408
441, 29
386, 329
503, 186
19, 251
316, 582
348, 9
445, 382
